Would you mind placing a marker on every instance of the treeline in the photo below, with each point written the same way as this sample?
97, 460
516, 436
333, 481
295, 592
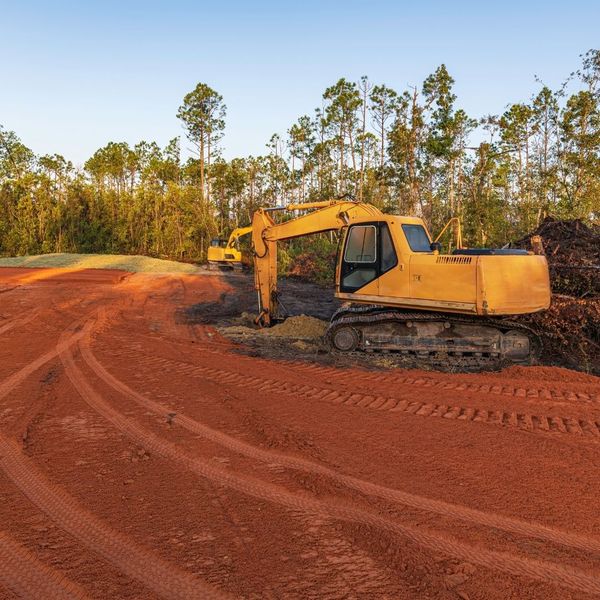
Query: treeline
412, 151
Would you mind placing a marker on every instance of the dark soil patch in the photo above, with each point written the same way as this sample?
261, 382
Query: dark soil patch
297, 298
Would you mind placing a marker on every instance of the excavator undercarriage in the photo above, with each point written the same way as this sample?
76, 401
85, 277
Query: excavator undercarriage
435, 337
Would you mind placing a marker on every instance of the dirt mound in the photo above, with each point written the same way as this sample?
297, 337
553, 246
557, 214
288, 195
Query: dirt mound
300, 327
122, 262
573, 252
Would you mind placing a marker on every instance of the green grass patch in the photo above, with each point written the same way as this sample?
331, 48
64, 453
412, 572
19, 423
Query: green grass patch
131, 263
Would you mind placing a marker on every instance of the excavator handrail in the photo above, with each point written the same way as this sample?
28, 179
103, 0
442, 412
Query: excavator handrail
455, 220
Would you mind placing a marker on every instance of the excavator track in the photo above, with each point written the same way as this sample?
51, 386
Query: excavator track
449, 340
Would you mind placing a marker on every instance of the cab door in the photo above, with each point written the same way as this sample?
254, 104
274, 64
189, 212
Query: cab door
367, 253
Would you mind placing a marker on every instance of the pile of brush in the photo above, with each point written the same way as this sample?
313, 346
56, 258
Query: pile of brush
573, 252
570, 329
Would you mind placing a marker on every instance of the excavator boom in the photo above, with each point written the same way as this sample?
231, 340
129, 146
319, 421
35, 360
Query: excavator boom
238, 233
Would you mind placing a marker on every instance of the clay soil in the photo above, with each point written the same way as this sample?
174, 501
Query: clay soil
144, 455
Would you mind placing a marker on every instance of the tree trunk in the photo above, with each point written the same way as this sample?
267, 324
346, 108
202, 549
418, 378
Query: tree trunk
362, 145
208, 166
202, 164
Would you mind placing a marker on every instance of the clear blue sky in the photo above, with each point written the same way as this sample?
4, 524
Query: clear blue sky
75, 75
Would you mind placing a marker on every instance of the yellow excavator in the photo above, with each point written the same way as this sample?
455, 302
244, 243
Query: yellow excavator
226, 253
402, 294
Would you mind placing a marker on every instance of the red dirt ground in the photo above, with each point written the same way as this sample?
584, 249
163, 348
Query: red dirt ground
144, 458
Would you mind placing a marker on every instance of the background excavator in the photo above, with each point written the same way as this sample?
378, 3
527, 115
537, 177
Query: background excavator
226, 253
402, 294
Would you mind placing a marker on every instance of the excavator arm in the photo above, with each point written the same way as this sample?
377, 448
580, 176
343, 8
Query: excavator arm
323, 216
236, 234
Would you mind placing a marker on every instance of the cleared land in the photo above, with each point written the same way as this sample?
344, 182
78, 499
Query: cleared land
144, 455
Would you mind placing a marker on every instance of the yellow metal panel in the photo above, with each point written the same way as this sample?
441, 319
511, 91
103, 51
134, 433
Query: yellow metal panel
439, 305
512, 285
395, 281
371, 289
217, 254
442, 277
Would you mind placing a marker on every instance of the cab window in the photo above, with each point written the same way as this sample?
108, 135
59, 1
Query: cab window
417, 238
361, 246
388, 253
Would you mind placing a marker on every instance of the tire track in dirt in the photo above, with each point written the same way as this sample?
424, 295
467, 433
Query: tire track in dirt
544, 393
138, 563
18, 321
588, 429
341, 569
379, 377
269, 456
29, 578
515, 565
22, 374
9, 289
37, 312
163, 578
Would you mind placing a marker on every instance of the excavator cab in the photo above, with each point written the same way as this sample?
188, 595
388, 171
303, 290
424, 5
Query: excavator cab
375, 257
369, 248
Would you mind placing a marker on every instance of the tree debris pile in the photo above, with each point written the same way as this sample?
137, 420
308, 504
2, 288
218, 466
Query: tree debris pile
570, 332
311, 266
570, 328
313, 258
573, 252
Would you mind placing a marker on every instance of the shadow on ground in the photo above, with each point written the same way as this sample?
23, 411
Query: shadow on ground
297, 298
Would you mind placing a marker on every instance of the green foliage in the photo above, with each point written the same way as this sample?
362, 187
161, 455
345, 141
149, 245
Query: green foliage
406, 152
203, 116
311, 258
202, 113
